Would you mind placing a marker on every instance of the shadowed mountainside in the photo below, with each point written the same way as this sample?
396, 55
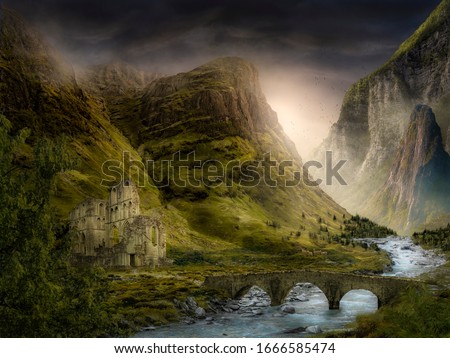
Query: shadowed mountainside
374, 115
418, 186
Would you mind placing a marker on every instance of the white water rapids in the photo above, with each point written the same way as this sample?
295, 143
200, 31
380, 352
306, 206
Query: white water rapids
255, 318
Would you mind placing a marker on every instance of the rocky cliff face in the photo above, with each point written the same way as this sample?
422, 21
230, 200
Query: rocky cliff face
374, 113
35, 79
115, 79
447, 145
217, 111
417, 190
39, 90
220, 99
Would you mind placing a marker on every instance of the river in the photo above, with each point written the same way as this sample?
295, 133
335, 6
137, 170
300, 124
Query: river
255, 318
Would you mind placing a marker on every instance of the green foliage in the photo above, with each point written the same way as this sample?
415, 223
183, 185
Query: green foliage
417, 313
188, 257
40, 294
439, 238
360, 227
432, 24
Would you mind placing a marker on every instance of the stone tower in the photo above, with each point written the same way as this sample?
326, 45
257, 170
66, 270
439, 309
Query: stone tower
113, 233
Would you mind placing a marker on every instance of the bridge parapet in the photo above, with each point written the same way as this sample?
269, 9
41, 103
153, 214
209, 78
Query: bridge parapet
333, 284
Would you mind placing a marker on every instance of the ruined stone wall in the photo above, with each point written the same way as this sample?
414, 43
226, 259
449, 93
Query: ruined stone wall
113, 233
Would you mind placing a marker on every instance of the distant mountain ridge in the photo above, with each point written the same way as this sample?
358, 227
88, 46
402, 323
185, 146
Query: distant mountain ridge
375, 111
217, 111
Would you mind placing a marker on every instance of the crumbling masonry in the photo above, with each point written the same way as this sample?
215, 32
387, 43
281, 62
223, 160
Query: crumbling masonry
113, 233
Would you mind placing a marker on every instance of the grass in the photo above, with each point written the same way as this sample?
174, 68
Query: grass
417, 313
144, 297
432, 24
209, 229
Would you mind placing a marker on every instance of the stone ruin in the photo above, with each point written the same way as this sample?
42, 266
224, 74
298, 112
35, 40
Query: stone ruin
112, 233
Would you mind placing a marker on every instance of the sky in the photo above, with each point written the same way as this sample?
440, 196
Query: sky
308, 52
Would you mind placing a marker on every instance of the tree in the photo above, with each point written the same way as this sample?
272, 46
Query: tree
38, 289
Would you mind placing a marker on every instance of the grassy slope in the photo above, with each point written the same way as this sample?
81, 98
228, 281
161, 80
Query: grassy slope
235, 218
208, 229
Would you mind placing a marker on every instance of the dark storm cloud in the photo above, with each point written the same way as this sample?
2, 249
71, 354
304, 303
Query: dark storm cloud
345, 33
307, 51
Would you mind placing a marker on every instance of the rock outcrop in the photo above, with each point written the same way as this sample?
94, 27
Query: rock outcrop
418, 187
219, 99
447, 145
375, 111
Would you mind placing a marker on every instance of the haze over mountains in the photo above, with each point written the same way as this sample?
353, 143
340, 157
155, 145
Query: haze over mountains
373, 123
217, 111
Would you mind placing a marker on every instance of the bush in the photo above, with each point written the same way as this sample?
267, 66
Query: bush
417, 313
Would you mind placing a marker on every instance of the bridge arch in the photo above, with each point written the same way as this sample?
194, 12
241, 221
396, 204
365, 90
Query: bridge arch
333, 284
368, 300
305, 288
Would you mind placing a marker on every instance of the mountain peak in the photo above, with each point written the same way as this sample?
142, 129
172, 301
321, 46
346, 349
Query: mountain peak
116, 78
24, 45
423, 112
425, 131
438, 18
418, 178
224, 96
229, 63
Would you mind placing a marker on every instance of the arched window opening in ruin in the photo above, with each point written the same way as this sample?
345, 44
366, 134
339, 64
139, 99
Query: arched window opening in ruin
113, 196
115, 235
99, 223
154, 236
83, 244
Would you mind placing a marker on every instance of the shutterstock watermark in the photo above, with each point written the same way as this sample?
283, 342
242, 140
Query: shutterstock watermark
185, 169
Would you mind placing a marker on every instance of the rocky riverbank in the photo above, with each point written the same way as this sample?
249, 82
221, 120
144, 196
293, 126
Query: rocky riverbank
254, 303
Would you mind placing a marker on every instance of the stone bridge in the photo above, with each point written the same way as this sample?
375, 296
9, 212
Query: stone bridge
333, 284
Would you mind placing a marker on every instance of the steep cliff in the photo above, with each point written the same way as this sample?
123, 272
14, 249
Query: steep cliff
220, 99
39, 90
237, 208
417, 191
447, 145
374, 112
118, 87
217, 112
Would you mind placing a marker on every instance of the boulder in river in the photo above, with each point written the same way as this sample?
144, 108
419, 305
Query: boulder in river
295, 330
200, 312
288, 309
313, 329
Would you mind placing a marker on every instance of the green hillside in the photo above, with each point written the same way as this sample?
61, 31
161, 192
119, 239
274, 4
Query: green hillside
217, 111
